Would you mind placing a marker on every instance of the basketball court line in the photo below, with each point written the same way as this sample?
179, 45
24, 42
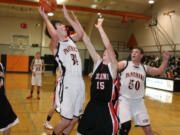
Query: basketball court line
22, 100
167, 126
28, 113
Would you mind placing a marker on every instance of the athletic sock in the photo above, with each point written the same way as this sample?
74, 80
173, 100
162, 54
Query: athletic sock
31, 92
38, 92
48, 118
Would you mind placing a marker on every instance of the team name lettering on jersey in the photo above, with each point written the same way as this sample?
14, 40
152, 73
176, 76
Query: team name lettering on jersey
39, 65
102, 76
135, 74
70, 49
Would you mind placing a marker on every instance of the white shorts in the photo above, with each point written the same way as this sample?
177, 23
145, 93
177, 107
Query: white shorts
70, 97
133, 108
37, 79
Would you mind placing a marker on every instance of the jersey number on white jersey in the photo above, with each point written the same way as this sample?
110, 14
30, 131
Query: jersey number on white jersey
133, 84
74, 59
38, 68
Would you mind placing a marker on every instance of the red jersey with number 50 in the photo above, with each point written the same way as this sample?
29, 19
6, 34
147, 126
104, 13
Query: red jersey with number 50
68, 58
133, 80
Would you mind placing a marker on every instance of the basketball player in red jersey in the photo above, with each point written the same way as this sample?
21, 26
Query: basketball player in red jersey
8, 118
131, 100
99, 117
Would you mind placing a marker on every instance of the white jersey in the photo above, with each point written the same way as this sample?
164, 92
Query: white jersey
133, 80
37, 66
68, 58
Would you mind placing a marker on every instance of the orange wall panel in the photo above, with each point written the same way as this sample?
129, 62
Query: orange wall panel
17, 63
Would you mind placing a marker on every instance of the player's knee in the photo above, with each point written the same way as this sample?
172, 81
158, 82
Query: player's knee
75, 120
78, 133
66, 122
125, 128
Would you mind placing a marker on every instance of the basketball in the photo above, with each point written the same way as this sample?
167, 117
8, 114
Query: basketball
48, 5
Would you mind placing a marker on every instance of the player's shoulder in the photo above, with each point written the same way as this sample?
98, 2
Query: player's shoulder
145, 67
122, 65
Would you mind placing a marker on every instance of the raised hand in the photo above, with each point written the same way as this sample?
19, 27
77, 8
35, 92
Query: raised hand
166, 55
100, 21
66, 15
42, 13
77, 21
87, 41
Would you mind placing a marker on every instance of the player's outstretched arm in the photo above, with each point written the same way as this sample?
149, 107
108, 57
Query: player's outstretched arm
79, 34
51, 29
108, 46
94, 55
162, 68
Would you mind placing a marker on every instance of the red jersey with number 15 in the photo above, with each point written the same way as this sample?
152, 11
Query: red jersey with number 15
102, 83
68, 58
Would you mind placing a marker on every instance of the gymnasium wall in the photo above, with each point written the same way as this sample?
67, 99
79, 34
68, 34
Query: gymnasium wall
34, 34
170, 24
17, 63
10, 26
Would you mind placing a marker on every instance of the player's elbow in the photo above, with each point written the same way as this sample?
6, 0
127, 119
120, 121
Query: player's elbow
54, 36
162, 71
159, 72
53, 44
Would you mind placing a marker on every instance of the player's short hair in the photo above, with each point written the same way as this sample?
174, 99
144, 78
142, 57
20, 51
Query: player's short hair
53, 22
116, 53
140, 49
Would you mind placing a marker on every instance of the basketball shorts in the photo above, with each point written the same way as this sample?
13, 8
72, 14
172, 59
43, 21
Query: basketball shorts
70, 97
133, 108
7, 116
37, 79
98, 119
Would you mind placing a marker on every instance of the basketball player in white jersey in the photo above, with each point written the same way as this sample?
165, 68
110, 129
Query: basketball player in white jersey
37, 69
70, 91
131, 100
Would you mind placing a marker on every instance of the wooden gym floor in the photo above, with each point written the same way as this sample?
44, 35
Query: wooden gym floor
163, 107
